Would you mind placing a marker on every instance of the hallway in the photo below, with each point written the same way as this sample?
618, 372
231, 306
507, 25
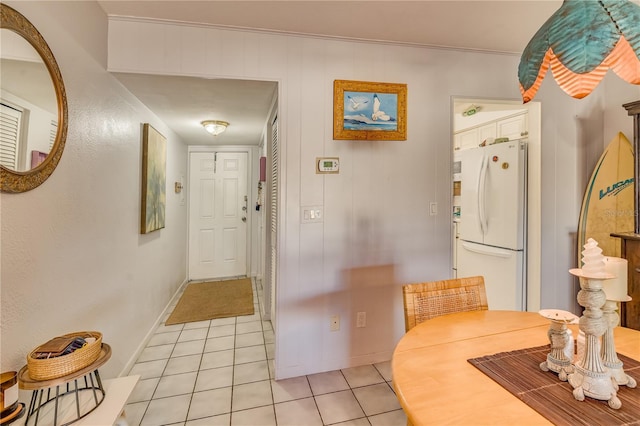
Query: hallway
220, 372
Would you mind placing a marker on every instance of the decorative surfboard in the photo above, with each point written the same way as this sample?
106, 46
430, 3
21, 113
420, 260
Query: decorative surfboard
607, 206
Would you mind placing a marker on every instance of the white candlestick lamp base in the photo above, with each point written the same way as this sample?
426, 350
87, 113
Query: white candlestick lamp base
557, 360
590, 377
609, 356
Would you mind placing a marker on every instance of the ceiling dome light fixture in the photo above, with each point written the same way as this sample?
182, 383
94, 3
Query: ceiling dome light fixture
215, 127
580, 42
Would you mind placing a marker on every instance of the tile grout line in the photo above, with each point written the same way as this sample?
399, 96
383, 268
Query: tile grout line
233, 367
355, 397
266, 353
195, 382
162, 374
315, 402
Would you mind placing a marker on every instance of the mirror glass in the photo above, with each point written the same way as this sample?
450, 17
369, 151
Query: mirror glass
33, 105
28, 102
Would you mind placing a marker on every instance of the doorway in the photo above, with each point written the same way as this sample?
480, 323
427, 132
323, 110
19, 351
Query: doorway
218, 215
476, 120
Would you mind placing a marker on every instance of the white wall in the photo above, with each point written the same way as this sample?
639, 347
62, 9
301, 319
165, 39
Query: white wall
72, 255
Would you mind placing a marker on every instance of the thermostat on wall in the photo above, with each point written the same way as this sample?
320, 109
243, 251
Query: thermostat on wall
327, 165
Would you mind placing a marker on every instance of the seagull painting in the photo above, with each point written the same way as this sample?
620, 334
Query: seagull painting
355, 104
370, 111
378, 114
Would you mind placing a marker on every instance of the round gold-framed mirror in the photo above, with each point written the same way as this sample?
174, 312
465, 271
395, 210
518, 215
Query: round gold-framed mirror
30, 163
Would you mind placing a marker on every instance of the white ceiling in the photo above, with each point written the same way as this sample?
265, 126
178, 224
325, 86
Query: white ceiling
498, 26
184, 102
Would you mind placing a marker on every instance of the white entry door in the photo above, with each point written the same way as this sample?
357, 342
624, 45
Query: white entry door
217, 214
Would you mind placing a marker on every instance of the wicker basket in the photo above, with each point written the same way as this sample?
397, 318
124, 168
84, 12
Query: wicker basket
52, 368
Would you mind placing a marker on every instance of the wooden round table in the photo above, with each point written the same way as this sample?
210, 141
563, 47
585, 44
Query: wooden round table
437, 385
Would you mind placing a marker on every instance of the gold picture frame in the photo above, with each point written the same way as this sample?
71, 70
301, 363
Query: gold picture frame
154, 180
369, 111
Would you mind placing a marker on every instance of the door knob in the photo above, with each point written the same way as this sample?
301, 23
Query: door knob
244, 219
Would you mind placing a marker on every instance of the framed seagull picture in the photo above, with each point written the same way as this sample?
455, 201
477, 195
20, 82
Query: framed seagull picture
369, 111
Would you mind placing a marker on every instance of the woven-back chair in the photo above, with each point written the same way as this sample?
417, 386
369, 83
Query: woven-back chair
423, 301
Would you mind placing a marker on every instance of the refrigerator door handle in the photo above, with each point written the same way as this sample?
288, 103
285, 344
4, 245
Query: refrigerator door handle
478, 189
487, 250
482, 181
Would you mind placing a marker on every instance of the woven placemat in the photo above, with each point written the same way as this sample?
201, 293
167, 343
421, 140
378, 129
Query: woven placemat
519, 372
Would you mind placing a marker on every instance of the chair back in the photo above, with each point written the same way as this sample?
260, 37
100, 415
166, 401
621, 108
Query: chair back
423, 301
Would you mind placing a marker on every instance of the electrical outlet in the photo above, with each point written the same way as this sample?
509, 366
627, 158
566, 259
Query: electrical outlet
361, 319
334, 323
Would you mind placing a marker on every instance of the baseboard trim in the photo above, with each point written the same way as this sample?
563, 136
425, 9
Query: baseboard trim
132, 360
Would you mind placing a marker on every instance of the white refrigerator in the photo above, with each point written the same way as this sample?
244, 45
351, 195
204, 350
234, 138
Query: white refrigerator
493, 220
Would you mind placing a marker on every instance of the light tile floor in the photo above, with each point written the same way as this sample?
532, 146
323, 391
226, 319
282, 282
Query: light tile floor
221, 372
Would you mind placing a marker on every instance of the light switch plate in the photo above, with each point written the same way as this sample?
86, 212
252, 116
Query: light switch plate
312, 214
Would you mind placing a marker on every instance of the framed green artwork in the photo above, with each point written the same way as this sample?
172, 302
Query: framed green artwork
154, 179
